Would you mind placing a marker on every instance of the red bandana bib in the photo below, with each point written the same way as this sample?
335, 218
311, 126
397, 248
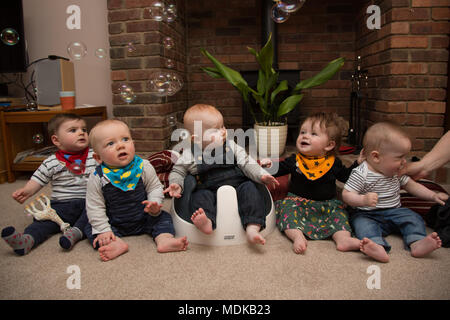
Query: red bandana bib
74, 161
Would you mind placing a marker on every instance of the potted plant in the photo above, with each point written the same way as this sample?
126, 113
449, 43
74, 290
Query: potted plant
269, 89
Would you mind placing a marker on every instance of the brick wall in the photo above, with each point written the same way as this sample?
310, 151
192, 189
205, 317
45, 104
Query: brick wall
407, 63
308, 40
147, 116
407, 60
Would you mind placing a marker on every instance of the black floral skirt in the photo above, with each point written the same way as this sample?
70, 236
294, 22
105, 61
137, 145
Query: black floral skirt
316, 219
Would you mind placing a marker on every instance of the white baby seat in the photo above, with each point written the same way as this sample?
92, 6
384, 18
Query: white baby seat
229, 230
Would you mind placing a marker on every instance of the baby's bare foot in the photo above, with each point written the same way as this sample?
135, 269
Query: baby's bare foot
299, 245
113, 249
171, 244
201, 221
426, 245
373, 250
255, 237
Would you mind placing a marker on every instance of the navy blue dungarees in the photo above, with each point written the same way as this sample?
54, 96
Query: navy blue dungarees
126, 213
224, 171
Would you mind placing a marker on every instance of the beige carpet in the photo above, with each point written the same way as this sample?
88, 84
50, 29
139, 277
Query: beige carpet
270, 272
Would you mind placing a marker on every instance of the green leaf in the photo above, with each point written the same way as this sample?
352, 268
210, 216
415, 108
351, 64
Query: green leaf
265, 57
323, 76
252, 51
262, 104
289, 104
231, 75
261, 84
283, 86
213, 72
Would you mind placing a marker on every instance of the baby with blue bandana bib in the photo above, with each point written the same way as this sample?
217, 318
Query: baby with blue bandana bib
124, 195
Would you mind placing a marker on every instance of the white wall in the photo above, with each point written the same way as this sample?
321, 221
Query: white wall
46, 33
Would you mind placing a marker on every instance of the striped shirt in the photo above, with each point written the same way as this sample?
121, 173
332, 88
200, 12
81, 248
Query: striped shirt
65, 184
362, 180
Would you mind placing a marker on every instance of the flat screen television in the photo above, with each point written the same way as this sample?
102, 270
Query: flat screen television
12, 41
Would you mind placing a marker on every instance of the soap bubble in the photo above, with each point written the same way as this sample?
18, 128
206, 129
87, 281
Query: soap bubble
158, 84
77, 50
100, 53
131, 47
291, 5
76, 168
31, 106
172, 121
175, 83
156, 10
38, 138
170, 63
126, 93
278, 15
170, 13
165, 83
168, 43
9, 36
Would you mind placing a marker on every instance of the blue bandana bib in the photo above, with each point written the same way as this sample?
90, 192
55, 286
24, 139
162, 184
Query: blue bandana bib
125, 178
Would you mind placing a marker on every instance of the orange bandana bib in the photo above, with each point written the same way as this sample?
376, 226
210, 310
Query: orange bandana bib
314, 167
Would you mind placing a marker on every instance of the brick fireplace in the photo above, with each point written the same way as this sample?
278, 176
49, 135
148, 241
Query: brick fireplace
407, 60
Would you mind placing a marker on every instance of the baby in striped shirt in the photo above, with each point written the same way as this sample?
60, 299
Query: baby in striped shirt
67, 170
374, 189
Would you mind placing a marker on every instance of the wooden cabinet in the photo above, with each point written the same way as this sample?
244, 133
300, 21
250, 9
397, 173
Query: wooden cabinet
17, 127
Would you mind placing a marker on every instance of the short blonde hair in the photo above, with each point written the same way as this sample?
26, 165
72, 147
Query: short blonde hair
333, 124
199, 112
382, 134
93, 134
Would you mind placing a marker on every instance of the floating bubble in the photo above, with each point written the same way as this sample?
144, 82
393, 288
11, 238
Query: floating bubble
278, 15
31, 106
131, 47
175, 83
126, 93
172, 121
38, 138
9, 36
158, 84
168, 43
291, 5
100, 53
77, 50
76, 168
170, 13
170, 64
156, 10
165, 83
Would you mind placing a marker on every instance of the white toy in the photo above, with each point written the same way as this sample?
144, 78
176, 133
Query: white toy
46, 213
229, 230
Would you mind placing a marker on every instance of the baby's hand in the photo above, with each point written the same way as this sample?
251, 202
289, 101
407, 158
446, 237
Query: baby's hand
174, 190
370, 199
269, 180
265, 163
152, 207
21, 195
104, 239
440, 198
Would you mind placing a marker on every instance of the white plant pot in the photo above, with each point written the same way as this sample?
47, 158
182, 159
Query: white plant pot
270, 140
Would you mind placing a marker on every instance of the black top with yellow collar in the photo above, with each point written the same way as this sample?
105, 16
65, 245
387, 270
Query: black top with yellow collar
320, 187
